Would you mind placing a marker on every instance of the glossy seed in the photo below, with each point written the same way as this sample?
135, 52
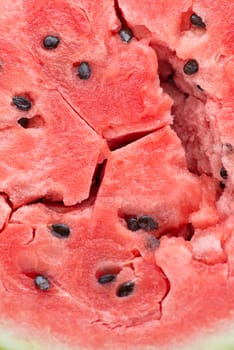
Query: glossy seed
106, 278
84, 71
50, 42
222, 185
60, 230
223, 173
197, 21
41, 282
132, 224
147, 223
125, 289
191, 67
23, 122
126, 34
22, 103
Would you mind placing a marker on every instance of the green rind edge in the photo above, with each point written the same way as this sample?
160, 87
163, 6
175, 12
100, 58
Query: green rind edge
222, 341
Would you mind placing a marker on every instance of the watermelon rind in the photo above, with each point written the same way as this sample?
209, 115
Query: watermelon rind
223, 340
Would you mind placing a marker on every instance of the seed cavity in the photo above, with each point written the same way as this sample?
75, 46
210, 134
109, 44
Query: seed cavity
60, 230
126, 34
170, 78
147, 223
222, 185
41, 282
22, 103
50, 42
223, 173
84, 71
106, 278
31, 123
132, 224
125, 289
23, 122
191, 67
197, 21
190, 232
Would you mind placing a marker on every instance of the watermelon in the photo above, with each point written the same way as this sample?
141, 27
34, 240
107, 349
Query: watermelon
116, 181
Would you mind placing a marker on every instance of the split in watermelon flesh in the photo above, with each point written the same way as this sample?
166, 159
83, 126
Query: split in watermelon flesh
116, 181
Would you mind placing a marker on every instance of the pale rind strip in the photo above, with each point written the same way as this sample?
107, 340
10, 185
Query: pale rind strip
221, 341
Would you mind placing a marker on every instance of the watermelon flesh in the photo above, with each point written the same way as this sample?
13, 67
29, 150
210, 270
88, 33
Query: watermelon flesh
149, 107
134, 164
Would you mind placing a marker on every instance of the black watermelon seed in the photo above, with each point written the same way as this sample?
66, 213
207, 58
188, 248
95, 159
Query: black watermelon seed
197, 21
22, 103
23, 122
42, 282
84, 71
147, 223
200, 88
132, 224
125, 289
191, 67
223, 173
60, 230
126, 34
222, 185
106, 278
50, 42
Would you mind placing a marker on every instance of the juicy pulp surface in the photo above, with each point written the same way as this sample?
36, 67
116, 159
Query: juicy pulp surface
139, 137
91, 35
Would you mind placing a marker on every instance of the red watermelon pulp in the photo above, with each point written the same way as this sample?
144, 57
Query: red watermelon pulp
116, 173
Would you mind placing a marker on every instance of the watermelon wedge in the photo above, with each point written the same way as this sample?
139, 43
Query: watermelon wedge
116, 175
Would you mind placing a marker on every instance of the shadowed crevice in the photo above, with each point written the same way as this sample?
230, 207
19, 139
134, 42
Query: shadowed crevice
120, 15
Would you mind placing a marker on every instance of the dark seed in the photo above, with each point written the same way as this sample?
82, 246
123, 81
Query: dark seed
223, 173
132, 224
126, 34
186, 95
125, 289
191, 67
200, 88
222, 185
60, 230
22, 103
147, 223
84, 71
50, 42
23, 122
106, 278
190, 231
42, 282
197, 21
